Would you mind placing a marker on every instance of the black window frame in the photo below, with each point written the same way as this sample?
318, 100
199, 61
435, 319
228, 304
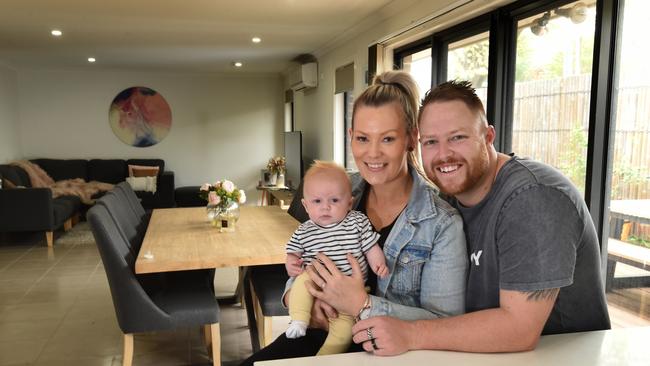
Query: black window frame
502, 25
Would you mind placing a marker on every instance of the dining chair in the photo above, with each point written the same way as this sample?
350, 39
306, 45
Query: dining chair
264, 287
132, 198
144, 306
126, 219
134, 231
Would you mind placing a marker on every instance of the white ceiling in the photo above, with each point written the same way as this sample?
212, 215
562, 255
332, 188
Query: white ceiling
175, 35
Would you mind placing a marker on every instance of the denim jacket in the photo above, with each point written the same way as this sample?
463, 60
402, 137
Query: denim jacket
426, 257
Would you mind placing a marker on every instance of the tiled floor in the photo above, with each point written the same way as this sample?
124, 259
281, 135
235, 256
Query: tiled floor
56, 309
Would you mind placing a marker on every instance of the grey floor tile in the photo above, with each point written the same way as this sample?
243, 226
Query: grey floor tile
17, 352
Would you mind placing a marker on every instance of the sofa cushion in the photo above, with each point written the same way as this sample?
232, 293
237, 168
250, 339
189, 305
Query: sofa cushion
147, 199
15, 175
147, 184
188, 197
7, 184
143, 171
64, 207
148, 162
107, 170
60, 169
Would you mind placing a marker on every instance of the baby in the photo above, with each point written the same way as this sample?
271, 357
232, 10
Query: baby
334, 230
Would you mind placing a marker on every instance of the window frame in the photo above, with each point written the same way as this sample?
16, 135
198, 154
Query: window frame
502, 25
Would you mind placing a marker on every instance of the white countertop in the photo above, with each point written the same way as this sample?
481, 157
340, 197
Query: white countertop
625, 346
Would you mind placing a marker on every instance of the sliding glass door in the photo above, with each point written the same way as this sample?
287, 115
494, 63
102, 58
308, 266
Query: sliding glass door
628, 279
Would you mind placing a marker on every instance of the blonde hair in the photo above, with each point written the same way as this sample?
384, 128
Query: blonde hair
395, 87
326, 167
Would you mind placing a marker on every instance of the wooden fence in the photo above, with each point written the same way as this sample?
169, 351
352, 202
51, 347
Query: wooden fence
550, 123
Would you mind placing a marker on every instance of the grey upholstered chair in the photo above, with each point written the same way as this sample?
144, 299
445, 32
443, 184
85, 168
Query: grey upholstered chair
146, 307
263, 289
134, 229
265, 285
131, 197
131, 226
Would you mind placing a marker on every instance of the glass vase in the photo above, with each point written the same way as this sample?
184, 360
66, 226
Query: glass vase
273, 179
280, 181
223, 217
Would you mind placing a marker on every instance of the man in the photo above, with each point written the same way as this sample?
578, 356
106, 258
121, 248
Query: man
534, 253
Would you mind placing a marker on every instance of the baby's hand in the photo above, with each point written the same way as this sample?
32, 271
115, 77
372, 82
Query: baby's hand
293, 264
381, 270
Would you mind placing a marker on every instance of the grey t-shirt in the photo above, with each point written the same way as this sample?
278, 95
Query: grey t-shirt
533, 232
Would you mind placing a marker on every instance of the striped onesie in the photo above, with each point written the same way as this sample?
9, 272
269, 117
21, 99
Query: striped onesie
352, 235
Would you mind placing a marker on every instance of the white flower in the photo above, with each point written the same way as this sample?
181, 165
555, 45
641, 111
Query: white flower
228, 186
217, 184
242, 196
205, 187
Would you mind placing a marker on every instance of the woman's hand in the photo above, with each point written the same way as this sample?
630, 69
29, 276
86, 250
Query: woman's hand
320, 314
391, 336
344, 293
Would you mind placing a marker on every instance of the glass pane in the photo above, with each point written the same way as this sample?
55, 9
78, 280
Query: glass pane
628, 280
350, 165
467, 59
419, 66
552, 88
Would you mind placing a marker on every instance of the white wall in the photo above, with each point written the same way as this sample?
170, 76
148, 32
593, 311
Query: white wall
314, 108
223, 126
9, 145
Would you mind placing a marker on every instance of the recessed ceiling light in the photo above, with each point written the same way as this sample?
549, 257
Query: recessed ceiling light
256, 39
56, 33
91, 59
238, 64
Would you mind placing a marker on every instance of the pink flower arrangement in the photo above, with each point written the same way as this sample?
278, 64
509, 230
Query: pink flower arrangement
222, 193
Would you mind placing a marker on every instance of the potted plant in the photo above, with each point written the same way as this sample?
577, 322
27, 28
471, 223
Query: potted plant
277, 168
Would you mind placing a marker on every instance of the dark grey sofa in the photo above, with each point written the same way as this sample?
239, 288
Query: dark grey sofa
34, 209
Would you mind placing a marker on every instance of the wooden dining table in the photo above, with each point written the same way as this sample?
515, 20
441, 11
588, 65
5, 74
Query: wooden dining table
179, 239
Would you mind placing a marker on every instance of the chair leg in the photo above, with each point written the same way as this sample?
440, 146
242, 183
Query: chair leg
268, 330
259, 319
207, 338
67, 224
239, 291
49, 238
127, 357
216, 344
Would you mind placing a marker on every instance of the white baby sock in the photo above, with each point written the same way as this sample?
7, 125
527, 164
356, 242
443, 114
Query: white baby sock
296, 329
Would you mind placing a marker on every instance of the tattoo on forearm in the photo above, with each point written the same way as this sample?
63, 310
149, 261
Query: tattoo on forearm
542, 294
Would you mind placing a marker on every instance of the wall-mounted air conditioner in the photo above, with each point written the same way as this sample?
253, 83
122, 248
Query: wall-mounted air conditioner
304, 76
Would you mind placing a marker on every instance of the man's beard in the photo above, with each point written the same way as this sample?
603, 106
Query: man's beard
476, 170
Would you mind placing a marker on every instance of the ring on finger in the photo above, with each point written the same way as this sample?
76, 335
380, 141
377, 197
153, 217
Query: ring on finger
374, 344
369, 333
322, 285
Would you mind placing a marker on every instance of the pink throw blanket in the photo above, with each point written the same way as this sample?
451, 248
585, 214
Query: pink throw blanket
69, 187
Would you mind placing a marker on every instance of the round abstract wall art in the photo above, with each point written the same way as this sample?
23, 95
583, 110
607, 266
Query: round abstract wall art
140, 116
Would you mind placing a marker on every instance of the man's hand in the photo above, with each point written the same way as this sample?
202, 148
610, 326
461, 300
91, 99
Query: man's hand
293, 263
392, 336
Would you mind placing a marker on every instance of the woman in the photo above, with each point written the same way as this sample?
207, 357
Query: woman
421, 235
